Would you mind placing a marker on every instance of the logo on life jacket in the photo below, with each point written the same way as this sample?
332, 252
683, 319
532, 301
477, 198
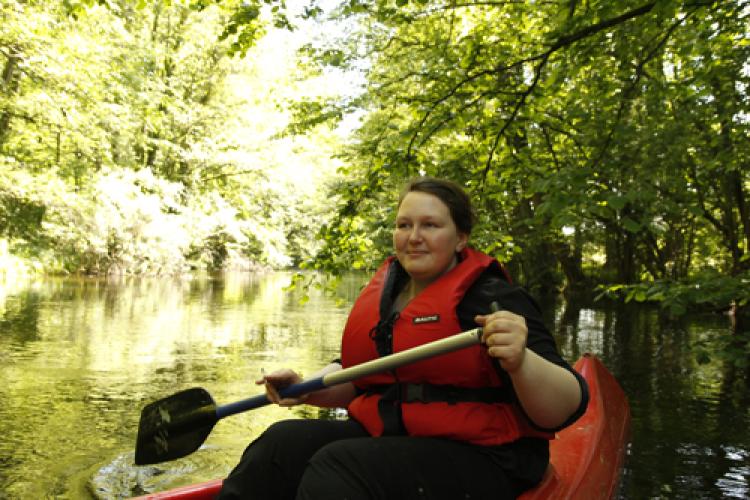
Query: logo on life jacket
420, 320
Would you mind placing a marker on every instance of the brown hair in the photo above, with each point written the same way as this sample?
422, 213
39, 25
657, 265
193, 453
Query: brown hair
450, 193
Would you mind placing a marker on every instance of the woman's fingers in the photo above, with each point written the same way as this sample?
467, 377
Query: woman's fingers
501, 345
272, 393
277, 381
501, 322
504, 333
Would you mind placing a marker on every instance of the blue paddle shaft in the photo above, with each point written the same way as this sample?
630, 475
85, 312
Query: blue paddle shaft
261, 400
425, 351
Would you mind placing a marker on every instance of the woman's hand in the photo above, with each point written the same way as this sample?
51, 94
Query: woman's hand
278, 380
336, 396
504, 333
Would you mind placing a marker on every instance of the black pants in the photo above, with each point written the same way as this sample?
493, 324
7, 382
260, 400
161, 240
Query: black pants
334, 459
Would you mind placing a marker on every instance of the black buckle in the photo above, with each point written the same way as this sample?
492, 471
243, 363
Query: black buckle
413, 392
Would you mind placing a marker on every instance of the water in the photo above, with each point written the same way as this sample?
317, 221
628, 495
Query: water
80, 358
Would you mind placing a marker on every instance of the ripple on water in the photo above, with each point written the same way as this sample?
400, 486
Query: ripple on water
735, 483
121, 479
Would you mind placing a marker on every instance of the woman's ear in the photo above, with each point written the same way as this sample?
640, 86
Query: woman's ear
463, 239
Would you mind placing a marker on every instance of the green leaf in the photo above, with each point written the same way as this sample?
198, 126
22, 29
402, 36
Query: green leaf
617, 202
703, 357
630, 225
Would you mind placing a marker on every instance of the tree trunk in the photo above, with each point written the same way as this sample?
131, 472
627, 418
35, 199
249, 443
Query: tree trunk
571, 263
620, 254
10, 83
539, 269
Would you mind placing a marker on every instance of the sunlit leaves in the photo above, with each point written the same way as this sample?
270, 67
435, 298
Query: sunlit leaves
115, 94
243, 27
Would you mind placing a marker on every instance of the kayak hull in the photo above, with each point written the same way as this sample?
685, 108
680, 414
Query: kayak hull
586, 458
202, 491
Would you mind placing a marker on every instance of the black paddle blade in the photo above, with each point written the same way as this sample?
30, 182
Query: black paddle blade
174, 426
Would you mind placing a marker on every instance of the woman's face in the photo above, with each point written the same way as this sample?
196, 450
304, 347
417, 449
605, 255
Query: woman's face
425, 238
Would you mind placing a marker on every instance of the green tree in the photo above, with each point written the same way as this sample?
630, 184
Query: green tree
133, 140
591, 135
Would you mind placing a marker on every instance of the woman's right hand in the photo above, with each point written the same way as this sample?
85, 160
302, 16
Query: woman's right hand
278, 380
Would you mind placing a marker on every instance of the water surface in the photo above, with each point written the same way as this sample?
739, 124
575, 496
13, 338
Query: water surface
80, 358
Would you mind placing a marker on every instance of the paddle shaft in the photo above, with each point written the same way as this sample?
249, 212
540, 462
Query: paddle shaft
393, 361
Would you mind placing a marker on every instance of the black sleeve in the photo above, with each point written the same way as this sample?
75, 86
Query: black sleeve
492, 286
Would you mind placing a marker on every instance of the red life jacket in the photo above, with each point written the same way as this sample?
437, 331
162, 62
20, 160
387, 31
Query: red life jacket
430, 316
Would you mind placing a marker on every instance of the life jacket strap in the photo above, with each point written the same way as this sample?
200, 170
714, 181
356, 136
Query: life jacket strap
433, 393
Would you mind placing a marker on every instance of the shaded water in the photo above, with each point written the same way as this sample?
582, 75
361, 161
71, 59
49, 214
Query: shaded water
80, 358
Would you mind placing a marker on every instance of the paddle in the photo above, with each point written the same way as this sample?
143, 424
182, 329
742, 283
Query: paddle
178, 425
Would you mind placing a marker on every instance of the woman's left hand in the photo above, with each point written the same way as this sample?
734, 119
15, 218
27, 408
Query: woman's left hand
278, 380
504, 333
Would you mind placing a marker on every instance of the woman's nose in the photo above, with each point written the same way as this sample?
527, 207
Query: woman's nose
415, 234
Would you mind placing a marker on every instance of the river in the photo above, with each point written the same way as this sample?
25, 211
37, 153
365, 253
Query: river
79, 358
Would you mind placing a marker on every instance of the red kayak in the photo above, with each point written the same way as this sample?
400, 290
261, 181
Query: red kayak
586, 459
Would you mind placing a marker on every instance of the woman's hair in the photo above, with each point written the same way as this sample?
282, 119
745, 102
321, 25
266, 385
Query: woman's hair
450, 193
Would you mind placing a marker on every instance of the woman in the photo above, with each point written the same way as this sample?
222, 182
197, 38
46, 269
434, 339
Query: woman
470, 424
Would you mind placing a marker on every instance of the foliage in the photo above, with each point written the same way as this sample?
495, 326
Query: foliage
132, 141
601, 142
710, 290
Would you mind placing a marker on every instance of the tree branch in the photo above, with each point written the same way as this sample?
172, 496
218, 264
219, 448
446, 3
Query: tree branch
627, 94
541, 58
519, 104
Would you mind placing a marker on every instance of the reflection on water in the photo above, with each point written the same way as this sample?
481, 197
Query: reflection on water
80, 358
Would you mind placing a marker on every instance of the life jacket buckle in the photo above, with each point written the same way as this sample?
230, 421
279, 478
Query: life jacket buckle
413, 392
